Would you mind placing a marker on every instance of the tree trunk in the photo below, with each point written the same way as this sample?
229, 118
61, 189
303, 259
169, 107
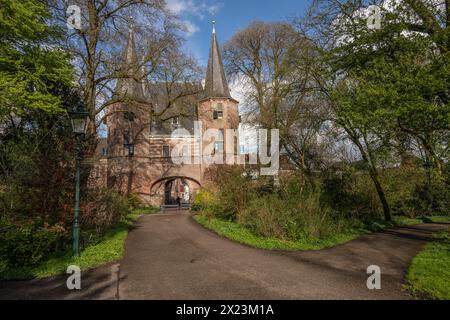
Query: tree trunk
373, 173
375, 179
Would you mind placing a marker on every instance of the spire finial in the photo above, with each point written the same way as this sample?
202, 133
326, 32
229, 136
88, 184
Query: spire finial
214, 26
130, 24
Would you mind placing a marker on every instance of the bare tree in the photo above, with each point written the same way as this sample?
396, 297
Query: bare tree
174, 85
97, 46
273, 61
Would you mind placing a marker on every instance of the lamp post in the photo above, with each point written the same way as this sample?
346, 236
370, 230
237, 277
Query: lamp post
79, 118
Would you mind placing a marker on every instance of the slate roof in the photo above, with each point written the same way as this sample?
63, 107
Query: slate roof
216, 85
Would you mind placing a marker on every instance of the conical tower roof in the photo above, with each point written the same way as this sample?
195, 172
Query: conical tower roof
130, 85
216, 85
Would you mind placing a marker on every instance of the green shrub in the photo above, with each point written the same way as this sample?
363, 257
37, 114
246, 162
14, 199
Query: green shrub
134, 201
29, 243
290, 211
103, 208
293, 217
431, 199
350, 193
235, 188
319, 206
399, 184
203, 200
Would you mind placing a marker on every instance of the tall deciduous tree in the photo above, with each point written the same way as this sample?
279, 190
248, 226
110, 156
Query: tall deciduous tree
274, 63
30, 65
98, 46
35, 135
388, 79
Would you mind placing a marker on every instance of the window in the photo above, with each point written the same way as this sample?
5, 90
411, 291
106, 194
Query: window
218, 115
130, 116
166, 151
104, 152
126, 137
131, 150
218, 147
175, 121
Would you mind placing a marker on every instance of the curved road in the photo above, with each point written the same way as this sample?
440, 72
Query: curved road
170, 256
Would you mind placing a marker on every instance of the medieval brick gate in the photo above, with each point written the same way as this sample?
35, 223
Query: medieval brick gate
136, 156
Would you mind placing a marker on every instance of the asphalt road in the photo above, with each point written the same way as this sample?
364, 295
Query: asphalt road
170, 256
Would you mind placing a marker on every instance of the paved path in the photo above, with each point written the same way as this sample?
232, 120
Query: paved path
170, 256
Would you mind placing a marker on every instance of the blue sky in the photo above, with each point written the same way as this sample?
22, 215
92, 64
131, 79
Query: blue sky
230, 16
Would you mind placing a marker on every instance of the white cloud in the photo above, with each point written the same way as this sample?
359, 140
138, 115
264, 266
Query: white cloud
189, 10
179, 6
197, 8
212, 9
190, 28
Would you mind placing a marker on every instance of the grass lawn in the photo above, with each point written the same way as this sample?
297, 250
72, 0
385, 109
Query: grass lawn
239, 233
429, 273
149, 210
108, 249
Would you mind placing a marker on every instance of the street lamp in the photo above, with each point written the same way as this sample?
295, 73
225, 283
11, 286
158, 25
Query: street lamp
79, 118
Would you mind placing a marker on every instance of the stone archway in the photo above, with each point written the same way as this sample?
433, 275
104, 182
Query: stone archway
168, 189
174, 189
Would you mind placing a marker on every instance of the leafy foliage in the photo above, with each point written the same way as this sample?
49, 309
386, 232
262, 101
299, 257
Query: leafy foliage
31, 68
28, 243
37, 144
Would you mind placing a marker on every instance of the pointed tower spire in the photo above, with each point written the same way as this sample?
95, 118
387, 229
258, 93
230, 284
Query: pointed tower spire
130, 85
144, 73
216, 85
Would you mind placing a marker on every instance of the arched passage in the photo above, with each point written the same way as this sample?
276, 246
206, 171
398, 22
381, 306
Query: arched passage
169, 189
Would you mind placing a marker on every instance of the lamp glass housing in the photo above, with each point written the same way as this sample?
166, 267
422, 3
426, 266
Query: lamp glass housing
79, 119
79, 125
